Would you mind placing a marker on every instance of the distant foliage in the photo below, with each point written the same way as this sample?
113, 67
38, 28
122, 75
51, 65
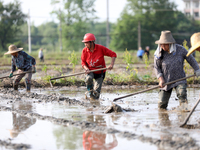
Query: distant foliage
74, 16
11, 19
152, 16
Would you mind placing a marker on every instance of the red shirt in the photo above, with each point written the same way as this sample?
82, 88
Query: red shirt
95, 60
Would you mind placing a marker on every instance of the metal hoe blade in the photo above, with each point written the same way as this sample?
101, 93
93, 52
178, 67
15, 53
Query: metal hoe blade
188, 117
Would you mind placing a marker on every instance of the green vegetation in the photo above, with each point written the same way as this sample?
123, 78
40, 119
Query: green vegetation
78, 18
45, 69
73, 60
146, 61
11, 20
127, 59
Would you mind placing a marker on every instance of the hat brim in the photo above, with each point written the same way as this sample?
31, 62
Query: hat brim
160, 42
193, 48
9, 52
84, 41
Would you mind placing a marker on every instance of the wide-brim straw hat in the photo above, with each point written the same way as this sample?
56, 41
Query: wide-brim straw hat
195, 43
13, 49
166, 38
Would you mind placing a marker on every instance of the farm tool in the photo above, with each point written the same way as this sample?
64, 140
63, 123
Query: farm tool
142, 91
74, 75
17, 74
188, 117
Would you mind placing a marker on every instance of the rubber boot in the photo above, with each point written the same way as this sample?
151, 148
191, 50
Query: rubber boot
28, 87
90, 89
15, 86
96, 94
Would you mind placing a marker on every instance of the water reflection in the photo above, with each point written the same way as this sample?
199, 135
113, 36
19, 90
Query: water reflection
68, 137
96, 140
164, 118
21, 123
96, 119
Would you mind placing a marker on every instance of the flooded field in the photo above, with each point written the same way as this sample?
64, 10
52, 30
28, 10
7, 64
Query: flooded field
63, 119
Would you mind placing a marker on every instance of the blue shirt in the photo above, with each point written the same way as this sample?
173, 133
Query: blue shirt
22, 61
140, 52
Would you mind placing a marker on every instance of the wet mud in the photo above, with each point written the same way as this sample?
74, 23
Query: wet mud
173, 140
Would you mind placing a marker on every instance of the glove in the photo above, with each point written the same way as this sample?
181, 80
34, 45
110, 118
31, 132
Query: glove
11, 75
197, 73
34, 70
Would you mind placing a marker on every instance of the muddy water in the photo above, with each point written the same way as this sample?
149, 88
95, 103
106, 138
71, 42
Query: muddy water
141, 129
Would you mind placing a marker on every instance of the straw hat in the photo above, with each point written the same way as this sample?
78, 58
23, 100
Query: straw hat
13, 49
195, 42
165, 38
14, 133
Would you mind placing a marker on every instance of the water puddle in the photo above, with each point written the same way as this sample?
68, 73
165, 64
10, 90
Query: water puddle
45, 135
147, 121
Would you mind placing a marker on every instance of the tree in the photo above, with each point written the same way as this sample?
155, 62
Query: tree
75, 16
49, 34
11, 18
154, 17
99, 30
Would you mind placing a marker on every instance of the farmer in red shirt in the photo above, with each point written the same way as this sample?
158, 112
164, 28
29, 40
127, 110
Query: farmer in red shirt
93, 58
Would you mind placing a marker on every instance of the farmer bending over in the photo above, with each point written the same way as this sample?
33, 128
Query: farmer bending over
93, 58
168, 64
23, 62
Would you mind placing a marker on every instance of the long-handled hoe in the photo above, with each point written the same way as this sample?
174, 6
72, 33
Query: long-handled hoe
153, 88
74, 75
17, 74
186, 120
188, 117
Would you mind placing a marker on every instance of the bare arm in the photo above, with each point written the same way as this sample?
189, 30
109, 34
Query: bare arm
87, 70
112, 63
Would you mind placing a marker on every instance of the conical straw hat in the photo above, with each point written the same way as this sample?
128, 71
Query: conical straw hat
165, 38
13, 49
195, 42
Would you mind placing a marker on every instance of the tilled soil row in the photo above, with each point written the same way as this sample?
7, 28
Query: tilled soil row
177, 141
56, 97
15, 95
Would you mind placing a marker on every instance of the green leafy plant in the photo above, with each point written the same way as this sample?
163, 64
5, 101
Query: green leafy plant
59, 69
45, 69
46, 78
186, 65
134, 75
185, 45
73, 60
127, 57
146, 60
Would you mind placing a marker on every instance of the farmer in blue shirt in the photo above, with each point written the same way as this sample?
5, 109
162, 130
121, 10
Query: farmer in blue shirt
23, 62
140, 53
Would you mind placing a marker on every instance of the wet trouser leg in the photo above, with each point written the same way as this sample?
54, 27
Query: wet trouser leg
97, 86
89, 82
18, 79
181, 92
28, 80
164, 98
